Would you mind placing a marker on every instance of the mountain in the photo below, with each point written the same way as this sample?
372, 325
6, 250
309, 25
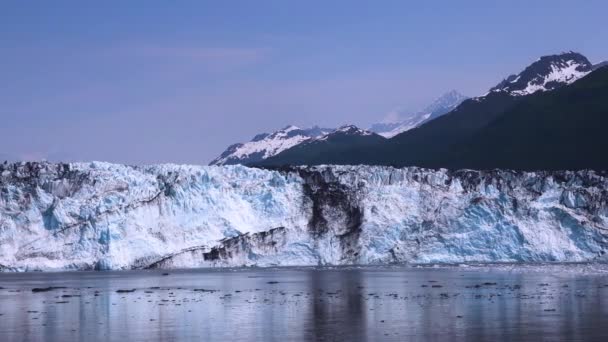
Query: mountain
404, 121
600, 65
444, 104
550, 116
328, 148
560, 130
547, 73
429, 144
266, 145
85, 216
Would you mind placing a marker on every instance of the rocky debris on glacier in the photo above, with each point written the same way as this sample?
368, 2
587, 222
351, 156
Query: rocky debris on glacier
109, 216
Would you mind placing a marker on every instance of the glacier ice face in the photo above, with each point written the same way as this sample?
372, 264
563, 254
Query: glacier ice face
108, 216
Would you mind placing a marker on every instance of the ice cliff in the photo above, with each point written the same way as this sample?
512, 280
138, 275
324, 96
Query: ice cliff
109, 216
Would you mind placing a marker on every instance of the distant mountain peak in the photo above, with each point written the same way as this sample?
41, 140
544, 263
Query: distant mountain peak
546, 73
399, 121
352, 129
290, 128
450, 100
343, 131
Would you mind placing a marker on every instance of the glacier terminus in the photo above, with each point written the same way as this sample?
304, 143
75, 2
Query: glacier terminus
80, 216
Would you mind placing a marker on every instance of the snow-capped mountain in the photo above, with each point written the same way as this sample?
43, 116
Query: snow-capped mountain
109, 216
266, 145
545, 74
572, 111
401, 121
328, 147
345, 130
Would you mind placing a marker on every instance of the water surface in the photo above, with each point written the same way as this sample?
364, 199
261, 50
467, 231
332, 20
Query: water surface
494, 303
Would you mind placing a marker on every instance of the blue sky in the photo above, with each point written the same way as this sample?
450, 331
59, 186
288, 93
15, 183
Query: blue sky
178, 81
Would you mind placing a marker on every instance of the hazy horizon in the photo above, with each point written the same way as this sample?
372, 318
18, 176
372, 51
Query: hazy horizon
123, 83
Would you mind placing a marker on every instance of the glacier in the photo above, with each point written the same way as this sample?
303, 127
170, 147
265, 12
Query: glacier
102, 216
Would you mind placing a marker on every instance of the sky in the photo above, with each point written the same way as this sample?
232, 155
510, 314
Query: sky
144, 82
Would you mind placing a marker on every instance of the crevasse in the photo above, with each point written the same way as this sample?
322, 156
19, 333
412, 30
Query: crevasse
109, 216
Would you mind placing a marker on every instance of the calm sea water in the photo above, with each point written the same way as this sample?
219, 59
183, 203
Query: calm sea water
491, 303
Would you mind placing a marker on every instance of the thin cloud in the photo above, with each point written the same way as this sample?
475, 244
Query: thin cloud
210, 58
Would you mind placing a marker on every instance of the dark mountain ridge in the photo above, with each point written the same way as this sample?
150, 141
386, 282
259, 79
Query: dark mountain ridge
557, 126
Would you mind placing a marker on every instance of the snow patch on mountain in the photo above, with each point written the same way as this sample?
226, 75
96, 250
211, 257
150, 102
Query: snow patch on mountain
566, 75
266, 145
546, 74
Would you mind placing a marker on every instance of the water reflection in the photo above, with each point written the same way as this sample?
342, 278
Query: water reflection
338, 307
349, 304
